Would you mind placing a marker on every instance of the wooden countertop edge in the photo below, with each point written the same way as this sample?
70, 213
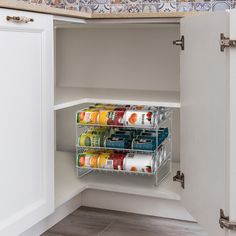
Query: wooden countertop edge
44, 9
85, 15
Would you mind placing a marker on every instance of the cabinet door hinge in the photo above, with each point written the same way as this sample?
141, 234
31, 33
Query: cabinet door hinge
225, 223
179, 177
226, 42
179, 42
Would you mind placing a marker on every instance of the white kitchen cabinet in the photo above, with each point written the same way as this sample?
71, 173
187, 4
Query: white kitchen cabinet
26, 121
128, 62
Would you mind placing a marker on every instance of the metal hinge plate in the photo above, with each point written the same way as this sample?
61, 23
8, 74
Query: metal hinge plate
179, 177
226, 42
225, 223
179, 42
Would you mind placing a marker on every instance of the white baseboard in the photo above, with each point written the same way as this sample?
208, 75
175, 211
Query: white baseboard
60, 213
135, 204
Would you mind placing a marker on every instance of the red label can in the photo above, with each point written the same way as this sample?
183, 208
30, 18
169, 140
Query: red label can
115, 161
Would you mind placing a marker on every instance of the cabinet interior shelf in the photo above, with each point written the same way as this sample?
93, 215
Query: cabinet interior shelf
66, 97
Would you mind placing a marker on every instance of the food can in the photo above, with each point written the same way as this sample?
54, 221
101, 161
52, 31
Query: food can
103, 116
139, 118
102, 159
87, 116
139, 162
144, 144
123, 134
116, 161
116, 142
94, 160
91, 140
116, 117
87, 160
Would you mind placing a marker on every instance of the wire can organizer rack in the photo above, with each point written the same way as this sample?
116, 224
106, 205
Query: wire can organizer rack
109, 141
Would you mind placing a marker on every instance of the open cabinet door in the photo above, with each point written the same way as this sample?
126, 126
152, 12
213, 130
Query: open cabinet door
206, 119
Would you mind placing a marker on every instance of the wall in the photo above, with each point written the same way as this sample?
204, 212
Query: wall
120, 6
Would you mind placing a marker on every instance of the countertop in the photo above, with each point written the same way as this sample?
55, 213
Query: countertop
86, 15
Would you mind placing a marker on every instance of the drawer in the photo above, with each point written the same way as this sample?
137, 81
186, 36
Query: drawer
23, 19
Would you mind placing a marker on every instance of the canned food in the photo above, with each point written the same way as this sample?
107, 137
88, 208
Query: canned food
116, 117
103, 116
139, 162
140, 118
94, 161
116, 142
87, 117
123, 134
102, 159
91, 140
144, 144
115, 161
87, 160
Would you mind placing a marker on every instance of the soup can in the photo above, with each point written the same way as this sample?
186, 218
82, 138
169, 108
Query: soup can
129, 134
103, 116
87, 160
116, 117
102, 159
138, 162
94, 160
116, 161
91, 140
144, 144
87, 117
116, 142
140, 118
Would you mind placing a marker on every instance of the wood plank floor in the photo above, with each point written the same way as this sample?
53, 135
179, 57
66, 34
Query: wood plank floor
99, 222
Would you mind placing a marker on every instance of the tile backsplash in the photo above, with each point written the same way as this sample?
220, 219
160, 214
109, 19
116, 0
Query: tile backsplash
136, 6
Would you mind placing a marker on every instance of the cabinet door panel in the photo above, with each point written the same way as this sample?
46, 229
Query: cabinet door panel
204, 119
232, 123
26, 121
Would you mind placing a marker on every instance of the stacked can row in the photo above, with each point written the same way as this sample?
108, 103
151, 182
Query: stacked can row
121, 115
111, 160
123, 138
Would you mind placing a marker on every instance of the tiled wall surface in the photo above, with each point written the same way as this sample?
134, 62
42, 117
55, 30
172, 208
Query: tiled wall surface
136, 6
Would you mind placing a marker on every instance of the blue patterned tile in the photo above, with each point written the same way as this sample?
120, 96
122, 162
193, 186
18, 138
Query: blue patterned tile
184, 6
150, 8
134, 8
151, 1
85, 7
71, 2
118, 8
167, 7
102, 2
220, 6
101, 8
202, 6
133, 1
45, 2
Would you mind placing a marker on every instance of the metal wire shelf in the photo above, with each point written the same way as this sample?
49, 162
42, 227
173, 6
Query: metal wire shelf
154, 127
161, 164
167, 139
126, 172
